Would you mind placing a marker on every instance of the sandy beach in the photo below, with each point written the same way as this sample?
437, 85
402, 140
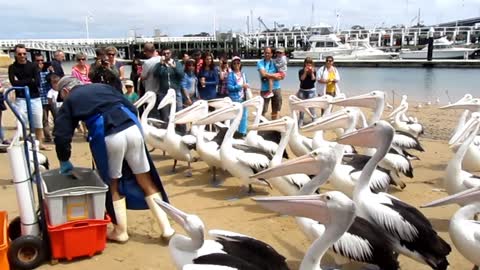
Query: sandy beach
215, 206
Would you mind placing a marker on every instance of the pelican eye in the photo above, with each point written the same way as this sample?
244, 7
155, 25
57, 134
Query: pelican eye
328, 197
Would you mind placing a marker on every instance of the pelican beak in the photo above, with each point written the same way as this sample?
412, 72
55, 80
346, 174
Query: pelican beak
168, 99
176, 214
263, 182
472, 123
309, 206
338, 119
366, 101
220, 115
279, 125
219, 102
311, 164
192, 113
365, 137
144, 99
465, 197
472, 105
318, 102
254, 102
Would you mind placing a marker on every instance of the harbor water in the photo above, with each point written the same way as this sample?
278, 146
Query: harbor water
420, 84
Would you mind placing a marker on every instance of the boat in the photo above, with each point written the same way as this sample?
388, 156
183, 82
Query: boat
442, 49
321, 46
362, 50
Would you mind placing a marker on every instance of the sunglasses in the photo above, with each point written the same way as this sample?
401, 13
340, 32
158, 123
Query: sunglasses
236, 63
82, 59
111, 54
20, 54
40, 60
329, 61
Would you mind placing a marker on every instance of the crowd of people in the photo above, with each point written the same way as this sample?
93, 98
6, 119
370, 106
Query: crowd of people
194, 77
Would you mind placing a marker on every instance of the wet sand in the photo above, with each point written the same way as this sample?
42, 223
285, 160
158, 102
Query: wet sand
195, 195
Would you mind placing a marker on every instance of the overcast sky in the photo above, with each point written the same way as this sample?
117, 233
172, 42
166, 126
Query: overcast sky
66, 19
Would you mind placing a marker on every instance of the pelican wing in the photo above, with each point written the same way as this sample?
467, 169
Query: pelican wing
257, 162
409, 225
251, 149
380, 178
405, 140
248, 250
398, 162
159, 135
363, 243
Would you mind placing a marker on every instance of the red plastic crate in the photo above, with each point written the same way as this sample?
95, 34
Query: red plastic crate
78, 238
3, 241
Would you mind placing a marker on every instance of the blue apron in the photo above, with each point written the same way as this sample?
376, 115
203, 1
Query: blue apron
128, 187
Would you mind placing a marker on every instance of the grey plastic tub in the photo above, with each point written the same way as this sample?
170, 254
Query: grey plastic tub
77, 197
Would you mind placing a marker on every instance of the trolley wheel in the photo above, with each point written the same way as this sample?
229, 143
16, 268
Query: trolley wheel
15, 228
27, 252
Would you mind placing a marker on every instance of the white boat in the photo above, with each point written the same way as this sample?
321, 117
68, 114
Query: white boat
442, 49
362, 50
321, 46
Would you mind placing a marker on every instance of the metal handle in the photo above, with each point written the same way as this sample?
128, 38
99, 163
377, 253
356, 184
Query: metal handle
77, 193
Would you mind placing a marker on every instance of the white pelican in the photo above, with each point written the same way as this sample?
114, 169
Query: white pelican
412, 233
299, 144
395, 160
153, 135
464, 229
287, 184
471, 161
348, 169
226, 248
267, 141
362, 243
177, 146
456, 179
405, 125
240, 163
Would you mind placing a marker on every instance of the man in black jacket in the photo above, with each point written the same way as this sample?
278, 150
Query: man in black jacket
115, 136
25, 73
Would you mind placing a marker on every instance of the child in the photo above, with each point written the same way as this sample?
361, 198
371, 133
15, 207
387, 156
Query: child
130, 94
53, 94
281, 64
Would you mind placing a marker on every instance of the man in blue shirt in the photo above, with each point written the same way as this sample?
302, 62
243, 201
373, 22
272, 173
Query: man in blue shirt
267, 69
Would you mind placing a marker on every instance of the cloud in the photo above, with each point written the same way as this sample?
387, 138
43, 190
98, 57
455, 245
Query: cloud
66, 19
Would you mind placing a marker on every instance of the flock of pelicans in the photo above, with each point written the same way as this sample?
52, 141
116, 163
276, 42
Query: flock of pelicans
359, 222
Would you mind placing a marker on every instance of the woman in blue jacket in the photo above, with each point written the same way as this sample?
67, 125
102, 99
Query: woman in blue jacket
208, 79
237, 86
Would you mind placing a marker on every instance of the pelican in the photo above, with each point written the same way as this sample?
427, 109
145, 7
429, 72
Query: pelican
264, 140
287, 184
240, 163
299, 144
412, 233
348, 169
394, 160
362, 243
405, 125
456, 179
464, 229
177, 146
376, 100
153, 135
471, 161
226, 248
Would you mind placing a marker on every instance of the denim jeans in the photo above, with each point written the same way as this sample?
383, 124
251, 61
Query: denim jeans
306, 94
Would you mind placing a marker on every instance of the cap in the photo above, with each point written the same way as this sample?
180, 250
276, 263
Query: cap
280, 49
236, 58
128, 83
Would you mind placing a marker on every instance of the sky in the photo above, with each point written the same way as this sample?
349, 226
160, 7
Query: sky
28, 19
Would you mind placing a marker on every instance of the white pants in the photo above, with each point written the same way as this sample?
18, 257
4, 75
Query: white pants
37, 111
126, 145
